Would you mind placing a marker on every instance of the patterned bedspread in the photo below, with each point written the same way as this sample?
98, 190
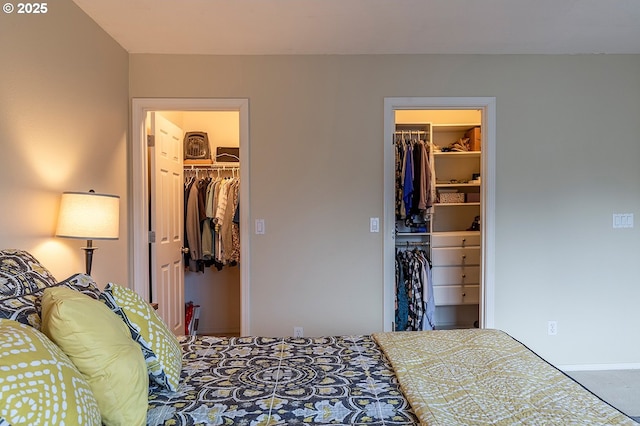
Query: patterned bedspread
479, 377
282, 381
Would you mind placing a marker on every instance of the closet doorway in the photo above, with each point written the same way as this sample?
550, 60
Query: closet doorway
430, 107
142, 216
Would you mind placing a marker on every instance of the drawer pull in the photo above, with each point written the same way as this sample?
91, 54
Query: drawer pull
464, 276
464, 294
464, 240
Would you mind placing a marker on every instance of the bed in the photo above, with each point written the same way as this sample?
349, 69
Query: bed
277, 381
452, 377
441, 377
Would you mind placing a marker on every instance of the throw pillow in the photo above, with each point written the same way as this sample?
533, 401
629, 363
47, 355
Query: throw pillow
21, 273
38, 382
25, 308
100, 345
161, 348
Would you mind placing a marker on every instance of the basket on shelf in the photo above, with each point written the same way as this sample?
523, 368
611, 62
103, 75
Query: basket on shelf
451, 197
196, 146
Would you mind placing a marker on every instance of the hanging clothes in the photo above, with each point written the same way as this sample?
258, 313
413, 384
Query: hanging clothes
399, 180
212, 235
414, 179
415, 307
192, 226
425, 200
407, 186
188, 181
229, 231
428, 319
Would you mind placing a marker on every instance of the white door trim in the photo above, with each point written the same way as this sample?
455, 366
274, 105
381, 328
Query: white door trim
139, 209
488, 107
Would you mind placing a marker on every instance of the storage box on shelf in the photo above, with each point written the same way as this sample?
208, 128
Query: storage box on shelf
451, 197
475, 138
472, 197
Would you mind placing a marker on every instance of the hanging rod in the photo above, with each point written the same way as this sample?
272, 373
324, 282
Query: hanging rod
412, 243
223, 166
402, 132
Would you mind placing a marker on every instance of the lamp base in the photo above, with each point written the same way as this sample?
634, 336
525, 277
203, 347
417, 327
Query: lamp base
88, 260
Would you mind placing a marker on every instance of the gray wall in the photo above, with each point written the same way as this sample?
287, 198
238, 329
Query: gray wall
63, 126
567, 152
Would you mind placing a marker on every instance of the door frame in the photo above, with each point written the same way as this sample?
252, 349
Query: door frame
139, 208
488, 191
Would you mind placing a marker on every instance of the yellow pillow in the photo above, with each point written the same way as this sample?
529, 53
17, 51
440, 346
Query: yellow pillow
100, 345
38, 382
160, 347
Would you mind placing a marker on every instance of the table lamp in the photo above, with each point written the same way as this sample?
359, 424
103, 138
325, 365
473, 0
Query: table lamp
89, 216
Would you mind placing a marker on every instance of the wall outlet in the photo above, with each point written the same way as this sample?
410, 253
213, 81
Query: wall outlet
298, 332
552, 328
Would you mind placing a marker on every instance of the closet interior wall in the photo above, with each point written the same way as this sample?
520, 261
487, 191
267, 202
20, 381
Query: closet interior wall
216, 291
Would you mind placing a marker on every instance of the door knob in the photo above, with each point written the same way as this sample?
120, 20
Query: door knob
184, 250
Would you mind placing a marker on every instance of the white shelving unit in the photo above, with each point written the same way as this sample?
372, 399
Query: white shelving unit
453, 248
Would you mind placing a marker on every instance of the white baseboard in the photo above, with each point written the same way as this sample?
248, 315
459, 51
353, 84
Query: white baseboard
598, 367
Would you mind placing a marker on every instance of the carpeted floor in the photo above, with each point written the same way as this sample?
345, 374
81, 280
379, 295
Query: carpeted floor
620, 388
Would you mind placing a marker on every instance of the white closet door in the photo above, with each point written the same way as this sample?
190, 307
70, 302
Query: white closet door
167, 222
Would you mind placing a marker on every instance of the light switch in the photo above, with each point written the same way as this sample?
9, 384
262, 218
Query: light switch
259, 226
374, 224
623, 220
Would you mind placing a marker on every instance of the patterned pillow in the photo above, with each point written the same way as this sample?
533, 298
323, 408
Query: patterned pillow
100, 346
38, 382
21, 273
160, 347
22, 309
26, 308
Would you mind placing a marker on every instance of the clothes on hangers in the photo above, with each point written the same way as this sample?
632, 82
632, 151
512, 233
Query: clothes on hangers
192, 225
211, 234
415, 306
415, 177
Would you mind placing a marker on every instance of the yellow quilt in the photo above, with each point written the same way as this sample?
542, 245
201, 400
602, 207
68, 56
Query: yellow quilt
480, 377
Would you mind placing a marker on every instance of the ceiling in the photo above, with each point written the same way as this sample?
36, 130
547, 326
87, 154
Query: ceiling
288, 27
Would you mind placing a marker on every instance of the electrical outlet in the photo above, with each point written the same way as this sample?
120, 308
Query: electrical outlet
552, 328
298, 332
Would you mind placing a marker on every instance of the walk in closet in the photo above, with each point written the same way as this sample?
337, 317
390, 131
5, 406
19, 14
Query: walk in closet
438, 181
211, 237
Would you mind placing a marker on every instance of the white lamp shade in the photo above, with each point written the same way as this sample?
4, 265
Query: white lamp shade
89, 216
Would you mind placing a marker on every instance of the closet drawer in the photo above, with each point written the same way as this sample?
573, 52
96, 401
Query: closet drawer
455, 239
456, 295
452, 256
447, 275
